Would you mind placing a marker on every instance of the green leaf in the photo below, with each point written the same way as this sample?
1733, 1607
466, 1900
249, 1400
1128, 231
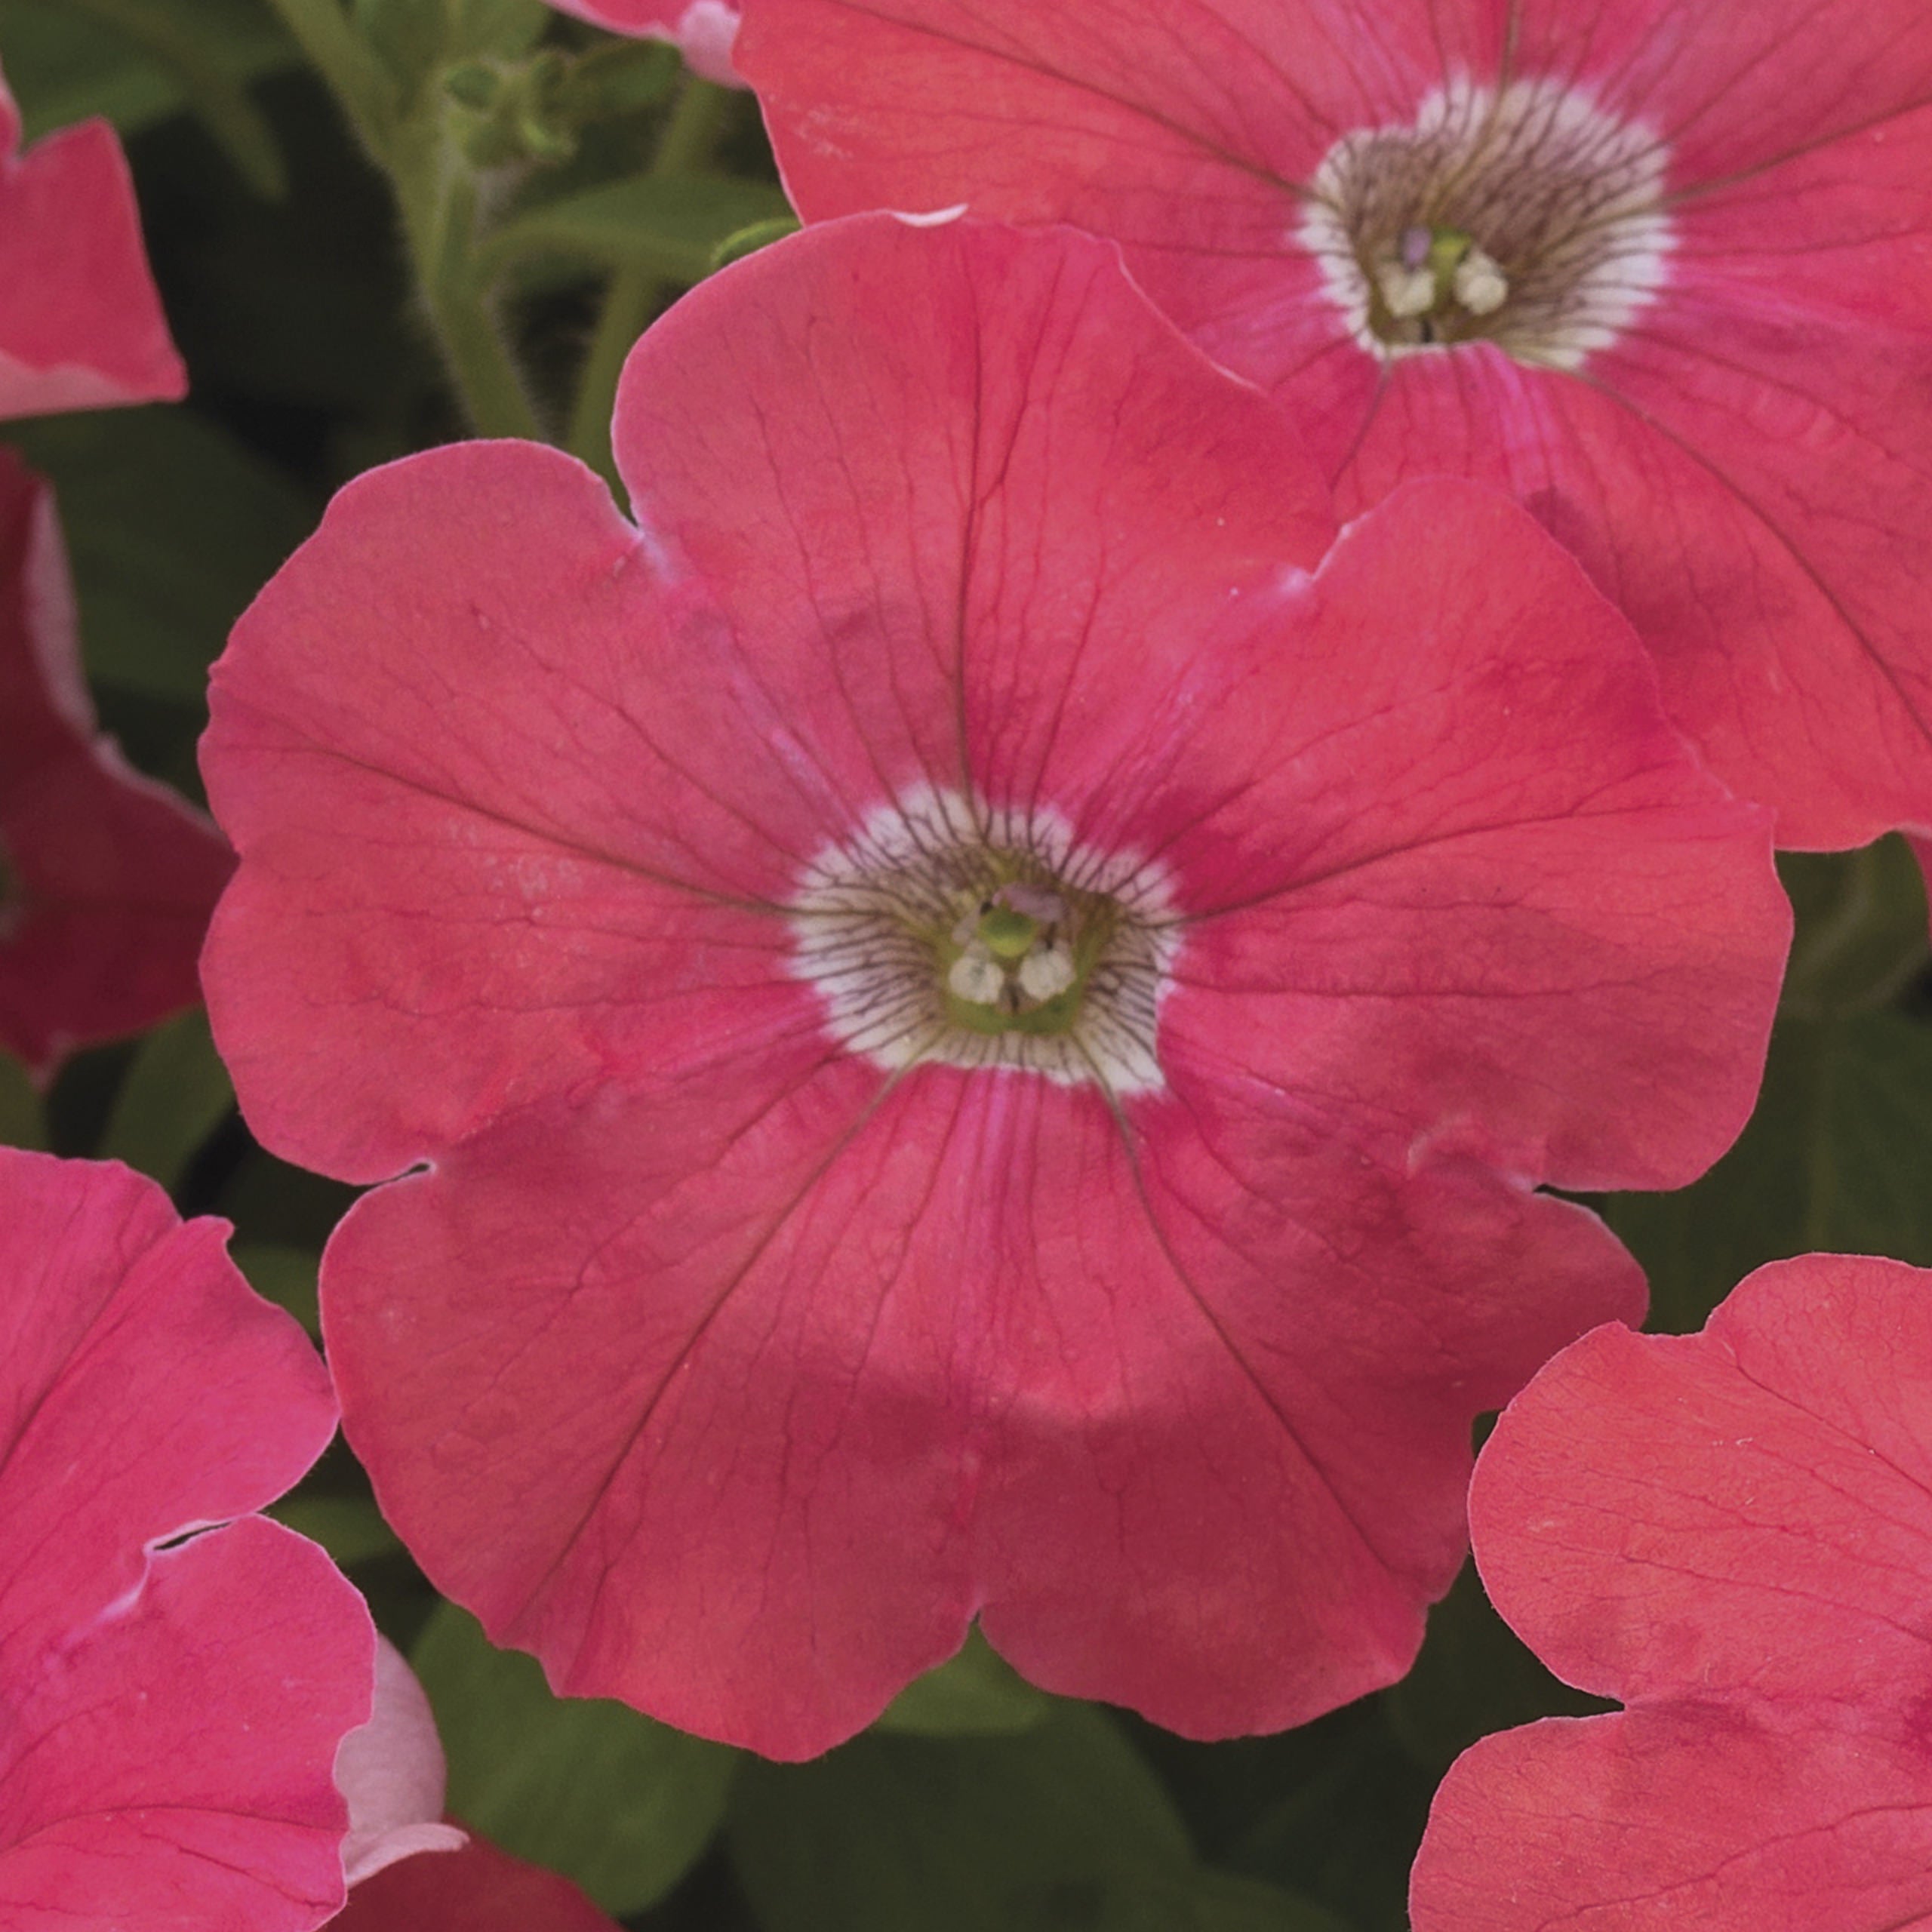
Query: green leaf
1224, 1902
23, 1119
503, 28
1861, 928
174, 38
176, 1093
749, 241
1838, 1155
284, 1275
66, 61
349, 1528
590, 1788
1474, 1675
172, 526
1345, 1831
1063, 1827
974, 1693
670, 224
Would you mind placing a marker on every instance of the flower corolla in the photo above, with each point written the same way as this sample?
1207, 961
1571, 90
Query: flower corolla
1660, 272
763, 1298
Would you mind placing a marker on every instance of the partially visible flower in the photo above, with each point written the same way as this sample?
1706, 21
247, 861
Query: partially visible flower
391, 1772
106, 878
977, 1022
479, 1889
174, 1691
703, 30
1663, 272
81, 325
1730, 1533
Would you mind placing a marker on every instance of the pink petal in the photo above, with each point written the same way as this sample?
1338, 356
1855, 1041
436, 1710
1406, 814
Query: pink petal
702, 30
168, 1766
80, 325
391, 1774
479, 1889
106, 878
1417, 860
116, 1308
1734, 87
173, 1708
872, 1339
609, 793
1703, 1818
1731, 1532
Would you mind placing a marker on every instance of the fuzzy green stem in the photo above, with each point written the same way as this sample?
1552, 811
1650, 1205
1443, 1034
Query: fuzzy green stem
353, 76
223, 104
635, 290
437, 190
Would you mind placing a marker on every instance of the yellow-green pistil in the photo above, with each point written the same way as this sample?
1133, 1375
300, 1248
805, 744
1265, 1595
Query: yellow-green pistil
1018, 957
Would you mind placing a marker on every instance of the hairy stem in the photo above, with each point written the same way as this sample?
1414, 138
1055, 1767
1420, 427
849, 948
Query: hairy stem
635, 291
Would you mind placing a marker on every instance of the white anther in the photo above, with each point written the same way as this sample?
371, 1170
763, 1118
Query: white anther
976, 977
1479, 283
1045, 974
1407, 292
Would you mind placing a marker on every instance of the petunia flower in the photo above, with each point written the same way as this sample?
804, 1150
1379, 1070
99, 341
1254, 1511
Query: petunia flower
978, 1020
703, 31
106, 878
1731, 1533
479, 1889
174, 1690
80, 325
1660, 270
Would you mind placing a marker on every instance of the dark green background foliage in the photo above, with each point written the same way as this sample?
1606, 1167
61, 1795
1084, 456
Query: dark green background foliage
977, 1804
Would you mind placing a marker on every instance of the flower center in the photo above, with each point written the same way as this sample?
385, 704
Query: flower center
935, 934
1527, 217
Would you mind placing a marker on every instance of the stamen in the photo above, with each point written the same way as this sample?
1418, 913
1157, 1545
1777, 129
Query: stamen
1479, 283
1046, 975
1407, 292
976, 979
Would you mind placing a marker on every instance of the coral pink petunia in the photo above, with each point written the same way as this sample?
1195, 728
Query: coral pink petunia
173, 1702
1662, 268
106, 878
81, 325
702, 30
479, 1889
980, 1033
1731, 1533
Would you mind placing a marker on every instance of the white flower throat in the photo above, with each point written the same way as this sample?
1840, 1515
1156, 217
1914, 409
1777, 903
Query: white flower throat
952, 934
1527, 218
